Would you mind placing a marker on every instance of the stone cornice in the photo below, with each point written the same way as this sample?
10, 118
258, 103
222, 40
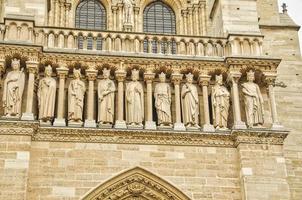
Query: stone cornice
230, 138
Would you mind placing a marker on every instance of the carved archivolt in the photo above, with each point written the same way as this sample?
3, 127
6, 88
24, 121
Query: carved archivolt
136, 184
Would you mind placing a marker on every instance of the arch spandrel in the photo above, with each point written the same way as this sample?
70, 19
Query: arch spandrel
136, 184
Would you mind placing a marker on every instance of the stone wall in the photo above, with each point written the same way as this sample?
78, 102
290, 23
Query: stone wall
61, 170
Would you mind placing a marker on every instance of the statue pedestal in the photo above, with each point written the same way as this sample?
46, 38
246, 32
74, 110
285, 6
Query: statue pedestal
193, 128
127, 27
135, 127
59, 122
75, 124
165, 128
208, 128
90, 124
105, 126
120, 125
150, 125
43, 123
277, 127
239, 125
27, 117
179, 127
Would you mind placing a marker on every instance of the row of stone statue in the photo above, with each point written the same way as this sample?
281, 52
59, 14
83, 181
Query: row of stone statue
134, 99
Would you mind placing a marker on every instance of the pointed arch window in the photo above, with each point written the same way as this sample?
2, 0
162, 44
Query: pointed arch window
159, 18
91, 14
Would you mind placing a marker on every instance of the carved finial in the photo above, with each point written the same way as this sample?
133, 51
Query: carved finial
284, 8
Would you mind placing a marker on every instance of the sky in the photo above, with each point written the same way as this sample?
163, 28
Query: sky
294, 10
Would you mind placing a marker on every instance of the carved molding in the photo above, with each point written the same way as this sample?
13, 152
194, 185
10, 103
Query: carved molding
218, 139
136, 183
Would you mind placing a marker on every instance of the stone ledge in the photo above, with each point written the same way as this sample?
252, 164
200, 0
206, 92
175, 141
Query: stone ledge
231, 138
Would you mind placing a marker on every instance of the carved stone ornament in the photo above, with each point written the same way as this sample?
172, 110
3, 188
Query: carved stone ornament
136, 184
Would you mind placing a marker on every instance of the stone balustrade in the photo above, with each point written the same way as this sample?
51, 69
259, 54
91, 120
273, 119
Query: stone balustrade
66, 39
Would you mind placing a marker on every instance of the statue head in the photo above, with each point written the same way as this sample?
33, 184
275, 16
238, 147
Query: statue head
189, 77
77, 73
135, 75
106, 73
16, 64
162, 77
219, 79
250, 76
48, 71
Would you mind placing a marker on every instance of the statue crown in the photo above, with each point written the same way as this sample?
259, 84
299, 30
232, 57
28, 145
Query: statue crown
106, 71
162, 75
189, 75
77, 71
16, 61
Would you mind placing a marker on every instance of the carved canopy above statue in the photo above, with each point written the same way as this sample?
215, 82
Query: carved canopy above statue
136, 184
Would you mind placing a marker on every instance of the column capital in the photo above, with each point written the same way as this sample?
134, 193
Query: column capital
32, 67
120, 75
204, 80
176, 78
234, 76
114, 8
270, 78
184, 13
136, 10
149, 77
62, 72
91, 74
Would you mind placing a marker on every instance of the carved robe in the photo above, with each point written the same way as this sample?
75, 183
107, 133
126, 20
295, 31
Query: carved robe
134, 102
76, 92
220, 106
12, 93
162, 94
47, 98
106, 93
253, 104
190, 108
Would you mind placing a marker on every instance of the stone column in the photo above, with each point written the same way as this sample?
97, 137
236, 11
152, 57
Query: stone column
191, 25
234, 79
204, 81
32, 68
136, 19
120, 75
149, 124
196, 20
184, 16
204, 22
176, 79
270, 80
57, 13
90, 120
120, 17
67, 13
60, 120
114, 11
62, 13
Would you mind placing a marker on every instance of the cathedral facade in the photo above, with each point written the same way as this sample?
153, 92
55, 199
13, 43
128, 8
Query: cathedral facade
149, 100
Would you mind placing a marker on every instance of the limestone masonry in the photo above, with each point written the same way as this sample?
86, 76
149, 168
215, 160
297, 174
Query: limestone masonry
149, 100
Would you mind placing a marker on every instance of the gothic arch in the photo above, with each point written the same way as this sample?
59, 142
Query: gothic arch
136, 183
